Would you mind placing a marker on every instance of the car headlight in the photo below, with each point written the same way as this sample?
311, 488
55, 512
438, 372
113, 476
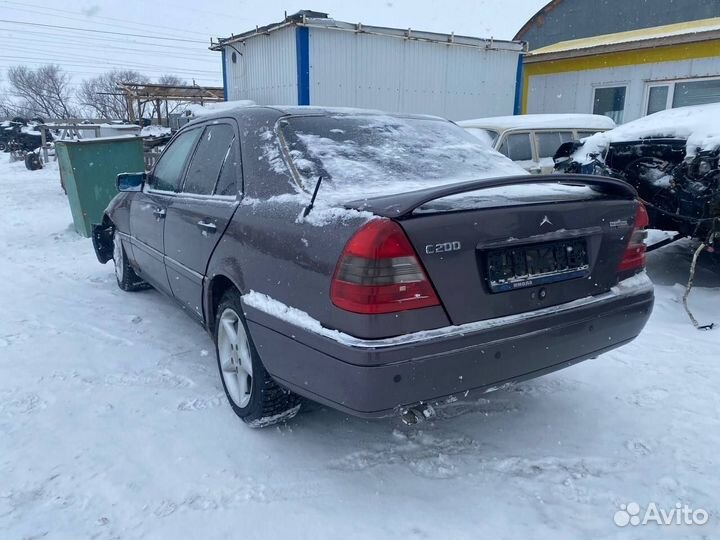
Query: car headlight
704, 167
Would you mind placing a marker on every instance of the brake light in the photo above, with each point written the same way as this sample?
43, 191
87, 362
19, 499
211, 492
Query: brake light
379, 272
634, 256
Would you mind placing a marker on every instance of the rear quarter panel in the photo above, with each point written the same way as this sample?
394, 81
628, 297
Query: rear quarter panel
270, 249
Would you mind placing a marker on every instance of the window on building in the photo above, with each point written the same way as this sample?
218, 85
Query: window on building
682, 93
657, 98
696, 92
517, 147
610, 101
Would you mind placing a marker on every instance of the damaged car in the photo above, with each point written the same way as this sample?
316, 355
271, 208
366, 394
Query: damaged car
672, 159
373, 262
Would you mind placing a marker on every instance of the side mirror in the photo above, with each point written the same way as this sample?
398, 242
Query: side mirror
130, 181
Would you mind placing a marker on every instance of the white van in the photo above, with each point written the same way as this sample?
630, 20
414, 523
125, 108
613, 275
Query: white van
531, 140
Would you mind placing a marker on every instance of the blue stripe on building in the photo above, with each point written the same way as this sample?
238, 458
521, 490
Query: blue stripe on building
518, 86
302, 49
224, 70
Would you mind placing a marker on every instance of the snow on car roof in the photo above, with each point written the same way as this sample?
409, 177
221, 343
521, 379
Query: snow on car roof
195, 109
699, 124
541, 121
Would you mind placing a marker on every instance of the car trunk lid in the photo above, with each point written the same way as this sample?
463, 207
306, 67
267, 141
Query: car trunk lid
511, 247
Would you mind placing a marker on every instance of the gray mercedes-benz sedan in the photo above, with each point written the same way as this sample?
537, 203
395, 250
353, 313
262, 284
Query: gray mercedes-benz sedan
375, 262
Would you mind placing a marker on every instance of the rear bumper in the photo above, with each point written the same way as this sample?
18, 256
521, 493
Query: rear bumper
375, 378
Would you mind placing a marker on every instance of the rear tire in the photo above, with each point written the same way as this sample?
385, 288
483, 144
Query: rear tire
126, 277
253, 394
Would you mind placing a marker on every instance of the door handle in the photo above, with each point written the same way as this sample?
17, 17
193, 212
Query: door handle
159, 212
207, 227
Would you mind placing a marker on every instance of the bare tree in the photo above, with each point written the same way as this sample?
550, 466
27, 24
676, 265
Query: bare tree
44, 91
171, 80
102, 96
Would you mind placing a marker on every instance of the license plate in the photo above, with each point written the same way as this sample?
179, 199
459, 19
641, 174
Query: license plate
527, 266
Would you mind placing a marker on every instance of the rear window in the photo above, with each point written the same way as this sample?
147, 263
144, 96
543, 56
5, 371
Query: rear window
363, 155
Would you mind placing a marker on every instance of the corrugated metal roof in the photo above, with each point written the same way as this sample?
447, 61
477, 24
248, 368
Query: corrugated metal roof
700, 28
302, 19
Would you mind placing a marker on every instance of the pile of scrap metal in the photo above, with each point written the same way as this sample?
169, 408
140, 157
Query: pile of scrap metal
672, 162
23, 139
20, 135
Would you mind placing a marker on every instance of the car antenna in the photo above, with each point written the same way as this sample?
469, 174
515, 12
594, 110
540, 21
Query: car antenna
309, 207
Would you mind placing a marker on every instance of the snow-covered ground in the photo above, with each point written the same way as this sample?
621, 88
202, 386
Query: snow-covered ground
113, 423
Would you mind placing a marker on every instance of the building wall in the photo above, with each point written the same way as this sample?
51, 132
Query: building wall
266, 71
567, 86
364, 70
562, 20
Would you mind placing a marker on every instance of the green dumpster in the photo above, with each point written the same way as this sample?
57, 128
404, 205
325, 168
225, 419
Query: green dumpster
88, 169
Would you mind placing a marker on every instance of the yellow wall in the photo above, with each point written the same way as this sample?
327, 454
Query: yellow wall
668, 53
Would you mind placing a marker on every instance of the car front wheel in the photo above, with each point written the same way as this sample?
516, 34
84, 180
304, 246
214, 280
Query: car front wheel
253, 394
126, 277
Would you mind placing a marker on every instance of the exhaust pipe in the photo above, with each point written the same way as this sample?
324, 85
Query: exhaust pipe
418, 414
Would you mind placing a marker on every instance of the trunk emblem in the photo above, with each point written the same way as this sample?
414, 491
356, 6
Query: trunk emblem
444, 247
545, 221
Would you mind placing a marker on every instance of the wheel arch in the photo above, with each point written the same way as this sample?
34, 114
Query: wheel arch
217, 285
102, 239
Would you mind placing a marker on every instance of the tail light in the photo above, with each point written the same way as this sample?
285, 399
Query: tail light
379, 272
634, 256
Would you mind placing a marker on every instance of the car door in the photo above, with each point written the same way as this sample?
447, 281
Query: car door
148, 209
518, 146
199, 214
547, 143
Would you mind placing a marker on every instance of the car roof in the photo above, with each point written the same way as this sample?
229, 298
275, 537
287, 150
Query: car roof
541, 121
245, 108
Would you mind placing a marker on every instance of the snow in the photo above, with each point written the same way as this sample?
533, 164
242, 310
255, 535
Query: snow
508, 196
301, 319
195, 109
698, 124
113, 422
155, 131
541, 121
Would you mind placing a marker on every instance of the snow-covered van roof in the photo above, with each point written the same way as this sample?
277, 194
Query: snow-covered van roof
699, 124
541, 121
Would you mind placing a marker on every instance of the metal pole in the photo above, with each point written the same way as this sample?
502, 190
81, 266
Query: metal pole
43, 141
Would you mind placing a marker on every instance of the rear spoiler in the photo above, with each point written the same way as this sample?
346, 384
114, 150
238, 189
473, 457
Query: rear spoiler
403, 204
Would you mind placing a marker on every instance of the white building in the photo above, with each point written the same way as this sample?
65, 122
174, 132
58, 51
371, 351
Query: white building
310, 59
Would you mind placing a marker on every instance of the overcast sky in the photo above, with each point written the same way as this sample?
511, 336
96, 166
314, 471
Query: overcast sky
28, 34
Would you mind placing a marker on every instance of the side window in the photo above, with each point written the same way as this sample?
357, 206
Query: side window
204, 169
517, 147
583, 134
228, 182
167, 174
549, 141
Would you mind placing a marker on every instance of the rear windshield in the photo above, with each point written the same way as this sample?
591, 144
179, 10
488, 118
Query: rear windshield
366, 155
